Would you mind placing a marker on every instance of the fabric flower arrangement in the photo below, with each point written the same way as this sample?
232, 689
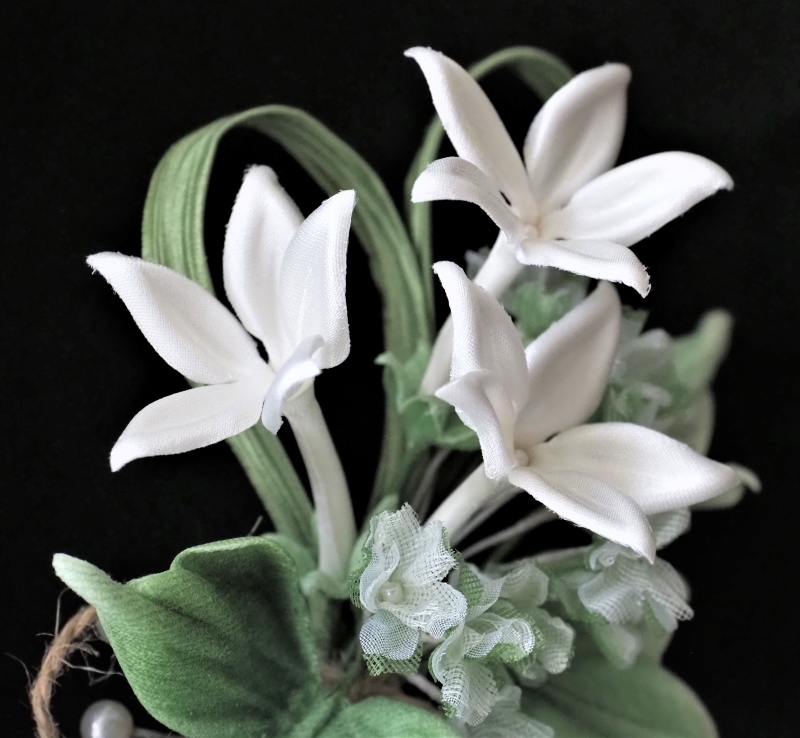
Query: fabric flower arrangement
410, 622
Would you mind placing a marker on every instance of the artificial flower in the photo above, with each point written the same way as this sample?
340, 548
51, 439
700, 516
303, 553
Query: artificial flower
285, 278
492, 633
403, 589
286, 281
527, 407
623, 583
564, 207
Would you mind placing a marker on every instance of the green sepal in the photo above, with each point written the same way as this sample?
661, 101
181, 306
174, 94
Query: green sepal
428, 420
218, 646
592, 699
172, 234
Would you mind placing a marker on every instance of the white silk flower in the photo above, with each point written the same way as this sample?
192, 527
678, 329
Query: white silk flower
528, 408
284, 277
565, 206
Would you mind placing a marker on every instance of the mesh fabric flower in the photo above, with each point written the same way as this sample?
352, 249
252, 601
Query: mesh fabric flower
402, 586
527, 407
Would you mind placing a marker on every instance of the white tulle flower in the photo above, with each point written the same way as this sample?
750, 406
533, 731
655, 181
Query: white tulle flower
565, 206
285, 278
402, 586
624, 583
527, 407
462, 662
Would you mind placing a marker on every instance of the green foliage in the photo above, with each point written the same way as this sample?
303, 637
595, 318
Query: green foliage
664, 382
379, 717
428, 420
219, 645
592, 699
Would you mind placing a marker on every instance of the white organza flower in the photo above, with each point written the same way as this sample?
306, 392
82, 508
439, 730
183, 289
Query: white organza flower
625, 583
285, 278
461, 661
528, 405
564, 207
506, 720
402, 586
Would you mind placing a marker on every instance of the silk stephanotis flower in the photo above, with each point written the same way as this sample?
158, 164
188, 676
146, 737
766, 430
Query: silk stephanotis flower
285, 278
528, 407
565, 206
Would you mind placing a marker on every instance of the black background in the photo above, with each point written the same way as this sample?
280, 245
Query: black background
94, 93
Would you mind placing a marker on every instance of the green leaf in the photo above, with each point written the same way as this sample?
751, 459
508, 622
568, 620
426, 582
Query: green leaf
379, 717
592, 699
172, 234
428, 421
218, 646
699, 354
540, 70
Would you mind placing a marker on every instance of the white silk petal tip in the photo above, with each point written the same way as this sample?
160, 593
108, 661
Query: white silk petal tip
121, 454
416, 51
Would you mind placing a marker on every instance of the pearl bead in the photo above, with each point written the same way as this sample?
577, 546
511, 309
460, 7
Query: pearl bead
391, 592
106, 719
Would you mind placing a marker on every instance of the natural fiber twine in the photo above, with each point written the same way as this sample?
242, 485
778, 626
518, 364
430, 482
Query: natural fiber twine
74, 636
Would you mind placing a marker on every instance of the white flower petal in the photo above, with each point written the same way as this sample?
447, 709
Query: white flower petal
188, 327
298, 368
312, 280
596, 259
384, 635
577, 133
457, 179
632, 201
484, 336
482, 404
568, 367
656, 471
589, 503
263, 221
473, 126
191, 419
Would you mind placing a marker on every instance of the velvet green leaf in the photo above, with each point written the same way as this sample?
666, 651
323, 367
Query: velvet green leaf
218, 646
172, 234
541, 71
592, 699
379, 717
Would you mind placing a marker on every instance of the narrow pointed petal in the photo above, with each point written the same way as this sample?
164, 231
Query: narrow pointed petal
656, 471
188, 327
296, 370
568, 367
482, 403
191, 419
484, 337
457, 179
577, 134
262, 223
313, 280
472, 124
634, 200
591, 504
596, 259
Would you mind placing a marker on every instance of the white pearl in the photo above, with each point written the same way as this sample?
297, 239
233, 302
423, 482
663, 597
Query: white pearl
391, 592
106, 719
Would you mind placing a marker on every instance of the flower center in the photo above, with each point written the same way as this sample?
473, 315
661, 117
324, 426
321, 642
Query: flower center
523, 457
391, 592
